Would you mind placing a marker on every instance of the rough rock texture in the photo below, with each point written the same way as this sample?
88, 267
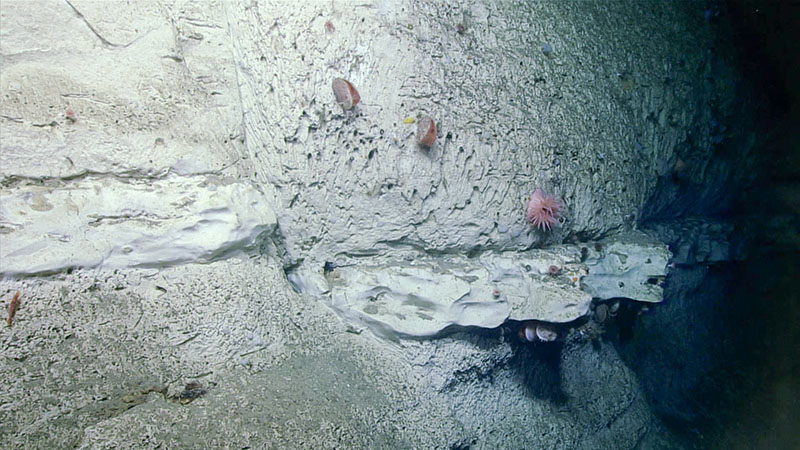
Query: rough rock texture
102, 359
701, 241
604, 394
405, 295
690, 335
152, 91
204, 137
632, 265
101, 221
118, 143
691, 340
586, 121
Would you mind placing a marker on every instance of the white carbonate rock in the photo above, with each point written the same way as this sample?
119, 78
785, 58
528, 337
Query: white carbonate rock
632, 266
536, 293
358, 182
110, 222
423, 295
416, 300
136, 135
419, 296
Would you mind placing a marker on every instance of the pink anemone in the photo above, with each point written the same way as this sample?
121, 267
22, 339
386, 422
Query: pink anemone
544, 210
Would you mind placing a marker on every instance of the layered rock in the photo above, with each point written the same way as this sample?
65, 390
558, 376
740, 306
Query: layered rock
413, 295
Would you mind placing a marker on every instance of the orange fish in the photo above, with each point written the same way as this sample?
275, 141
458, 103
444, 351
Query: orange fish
12, 308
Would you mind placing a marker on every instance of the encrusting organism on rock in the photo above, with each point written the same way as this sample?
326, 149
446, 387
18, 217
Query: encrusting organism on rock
12, 307
346, 94
537, 332
426, 132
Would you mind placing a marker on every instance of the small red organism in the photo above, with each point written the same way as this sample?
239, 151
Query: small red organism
12, 307
426, 132
329, 27
346, 94
71, 116
554, 270
496, 293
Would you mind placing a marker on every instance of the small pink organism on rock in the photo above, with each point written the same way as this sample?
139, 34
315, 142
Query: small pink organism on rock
544, 210
329, 27
554, 270
426, 132
346, 94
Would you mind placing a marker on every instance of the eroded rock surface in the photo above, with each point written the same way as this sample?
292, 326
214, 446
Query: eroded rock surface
138, 143
413, 295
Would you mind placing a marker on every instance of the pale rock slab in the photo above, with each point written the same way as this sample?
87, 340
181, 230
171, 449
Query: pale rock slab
632, 266
421, 296
113, 223
416, 296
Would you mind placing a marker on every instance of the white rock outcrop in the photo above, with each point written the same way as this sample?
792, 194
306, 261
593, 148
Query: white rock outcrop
111, 222
421, 296
632, 265
138, 138
425, 296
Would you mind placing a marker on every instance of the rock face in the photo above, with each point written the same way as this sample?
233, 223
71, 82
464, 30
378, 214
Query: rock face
148, 146
583, 121
125, 157
600, 389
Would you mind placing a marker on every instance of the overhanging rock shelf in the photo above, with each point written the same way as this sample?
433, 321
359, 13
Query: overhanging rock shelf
418, 295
